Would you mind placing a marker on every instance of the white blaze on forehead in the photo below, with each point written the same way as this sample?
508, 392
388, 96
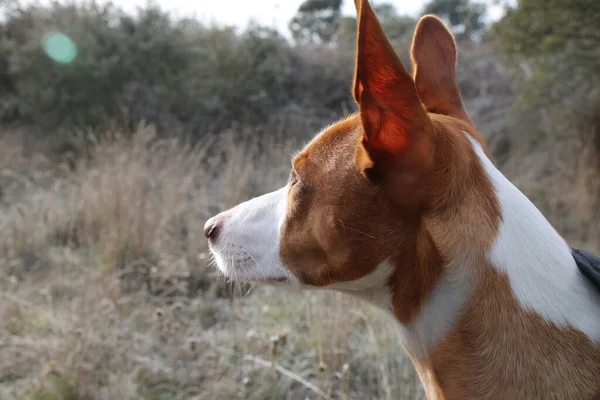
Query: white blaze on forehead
542, 272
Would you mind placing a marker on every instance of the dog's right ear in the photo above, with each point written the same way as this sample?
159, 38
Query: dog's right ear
433, 55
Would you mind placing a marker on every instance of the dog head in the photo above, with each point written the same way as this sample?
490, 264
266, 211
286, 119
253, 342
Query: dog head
373, 202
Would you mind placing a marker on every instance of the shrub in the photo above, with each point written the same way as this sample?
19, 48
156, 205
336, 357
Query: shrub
175, 73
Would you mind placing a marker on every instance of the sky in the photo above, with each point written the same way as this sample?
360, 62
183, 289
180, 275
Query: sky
270, 12
274, 13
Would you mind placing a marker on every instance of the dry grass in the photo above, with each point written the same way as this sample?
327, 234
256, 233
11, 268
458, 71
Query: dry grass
106, 293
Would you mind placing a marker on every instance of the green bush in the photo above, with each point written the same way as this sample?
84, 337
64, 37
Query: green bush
175, 73
552, 47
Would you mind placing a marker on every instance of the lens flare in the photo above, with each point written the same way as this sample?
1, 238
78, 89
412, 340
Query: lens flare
60, 48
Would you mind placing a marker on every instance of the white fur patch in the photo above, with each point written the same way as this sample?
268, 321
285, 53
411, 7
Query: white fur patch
372, 287
247, 248
542, 272
434, 320
440, 312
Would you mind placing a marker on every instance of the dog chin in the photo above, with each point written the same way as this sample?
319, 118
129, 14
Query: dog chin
239, 275
268, 280
238, 269
275, 280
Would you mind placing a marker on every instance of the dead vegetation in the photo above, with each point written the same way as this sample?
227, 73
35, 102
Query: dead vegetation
107, 292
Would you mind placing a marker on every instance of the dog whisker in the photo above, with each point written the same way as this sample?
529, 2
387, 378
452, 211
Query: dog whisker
355, 230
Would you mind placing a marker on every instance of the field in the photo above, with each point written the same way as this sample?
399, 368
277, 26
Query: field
107, 290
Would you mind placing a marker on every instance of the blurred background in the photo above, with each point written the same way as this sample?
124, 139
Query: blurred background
124, 125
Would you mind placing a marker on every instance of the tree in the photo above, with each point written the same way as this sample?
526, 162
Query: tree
393, 24
465, 17
316, 21
556, 46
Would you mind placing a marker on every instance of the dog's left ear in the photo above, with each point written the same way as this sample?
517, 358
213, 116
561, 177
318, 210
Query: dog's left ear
434, 56
397, 145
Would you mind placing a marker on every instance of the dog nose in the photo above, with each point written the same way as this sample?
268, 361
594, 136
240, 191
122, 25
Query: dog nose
214, 225
211, 228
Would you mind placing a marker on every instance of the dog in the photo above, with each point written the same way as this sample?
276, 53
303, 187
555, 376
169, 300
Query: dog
399, 204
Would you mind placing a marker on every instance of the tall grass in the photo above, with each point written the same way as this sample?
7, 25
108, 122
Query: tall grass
105, 287
106, 292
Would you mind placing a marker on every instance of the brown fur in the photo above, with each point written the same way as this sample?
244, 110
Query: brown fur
497, 350
399, 182
341, 226
433, 55
395, 183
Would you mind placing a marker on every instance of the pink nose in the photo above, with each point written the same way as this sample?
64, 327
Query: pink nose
213, 226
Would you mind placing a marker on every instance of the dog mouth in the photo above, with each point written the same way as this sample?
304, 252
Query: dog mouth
275, 280
236, 264
267, 280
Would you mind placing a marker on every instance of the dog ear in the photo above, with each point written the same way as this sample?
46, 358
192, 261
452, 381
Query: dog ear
434, 56
397, 142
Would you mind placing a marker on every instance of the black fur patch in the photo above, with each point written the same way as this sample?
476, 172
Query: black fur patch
589, 265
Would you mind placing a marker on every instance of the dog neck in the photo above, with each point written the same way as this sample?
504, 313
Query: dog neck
496, 323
